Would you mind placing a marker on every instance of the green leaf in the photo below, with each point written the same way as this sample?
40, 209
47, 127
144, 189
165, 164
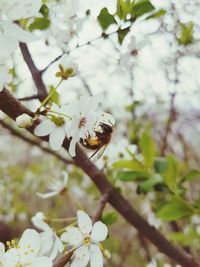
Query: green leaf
141, 7
171, 173
132, 107
175, 210
39, 24
127, 176
159, 13
160, 165
147, 147
55, 97
109, 218
148, 185
106, 19
123, 8
191, 175
122, 34
186, 34
44, 10
129, 164
185, 238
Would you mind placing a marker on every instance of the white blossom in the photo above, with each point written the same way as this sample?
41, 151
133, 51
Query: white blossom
85, 239
64, 9
51, 244
57, 187
63, 20
10, 32
26, 253
76, 121
54, 127
84, 116
24, 121
129, 58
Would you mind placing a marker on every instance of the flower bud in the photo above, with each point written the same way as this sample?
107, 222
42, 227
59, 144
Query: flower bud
67, 68
24, 121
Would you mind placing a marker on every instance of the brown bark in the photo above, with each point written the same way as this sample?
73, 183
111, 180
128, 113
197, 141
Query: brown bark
36, 75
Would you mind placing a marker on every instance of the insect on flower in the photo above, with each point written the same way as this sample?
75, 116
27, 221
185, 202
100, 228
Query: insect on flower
99, 141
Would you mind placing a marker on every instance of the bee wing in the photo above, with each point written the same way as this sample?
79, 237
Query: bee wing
97, 154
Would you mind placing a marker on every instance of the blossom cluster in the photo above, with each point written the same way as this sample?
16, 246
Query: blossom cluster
64, 21
41, 249
76, 121
11, 33
14, 27
129, 59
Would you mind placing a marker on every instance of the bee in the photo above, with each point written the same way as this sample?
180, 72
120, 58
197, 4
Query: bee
98, 142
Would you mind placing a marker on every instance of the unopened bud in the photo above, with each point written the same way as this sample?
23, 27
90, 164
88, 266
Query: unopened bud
67, 68
24, 121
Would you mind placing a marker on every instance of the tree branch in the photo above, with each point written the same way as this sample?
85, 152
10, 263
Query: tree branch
13, 108
37, 77
62, 260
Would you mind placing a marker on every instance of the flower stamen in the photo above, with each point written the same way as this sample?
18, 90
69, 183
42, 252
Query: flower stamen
82, 122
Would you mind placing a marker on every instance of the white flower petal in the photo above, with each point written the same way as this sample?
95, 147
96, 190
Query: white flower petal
11, 257
143, 43
29, 245
84, 222
72, 147
72, 236
70, 109
81, 257
59, 244
106, 118
7, 46
17, 33
44, 128
90, 104
57, 248
56, 138
99, 232
132, 44
55, 185
47, 195
96, 257
47, 243
42, 262
38, 221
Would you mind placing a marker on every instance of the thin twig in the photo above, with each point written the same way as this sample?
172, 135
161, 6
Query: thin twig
27, 98
63, 260
101, 206
86, 85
